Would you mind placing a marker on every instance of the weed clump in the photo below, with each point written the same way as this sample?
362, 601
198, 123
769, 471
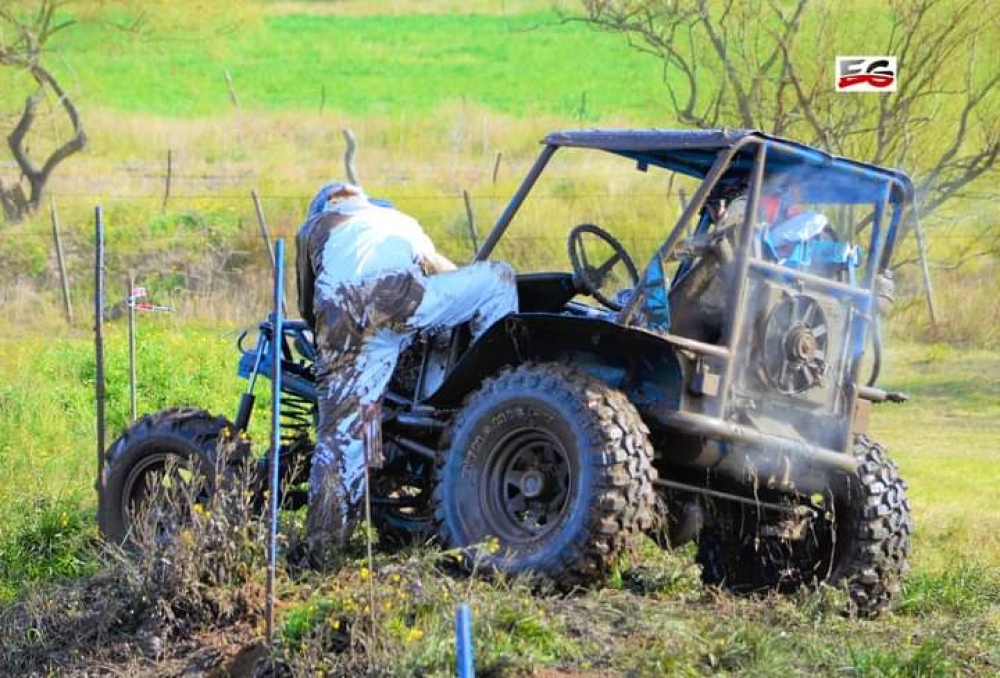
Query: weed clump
191, 566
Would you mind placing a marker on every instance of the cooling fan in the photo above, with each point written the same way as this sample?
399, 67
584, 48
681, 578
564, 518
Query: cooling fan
794, 344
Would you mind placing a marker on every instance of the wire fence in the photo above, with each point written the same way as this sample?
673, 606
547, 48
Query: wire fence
197, 235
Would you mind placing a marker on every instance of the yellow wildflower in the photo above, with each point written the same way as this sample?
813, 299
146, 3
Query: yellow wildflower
186, 537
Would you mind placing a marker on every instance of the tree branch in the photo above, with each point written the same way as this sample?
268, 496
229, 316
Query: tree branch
26, 52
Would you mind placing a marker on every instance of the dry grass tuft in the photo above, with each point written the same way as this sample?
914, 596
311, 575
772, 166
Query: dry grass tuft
190, 568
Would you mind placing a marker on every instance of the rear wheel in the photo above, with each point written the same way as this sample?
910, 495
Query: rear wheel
154, 457
552, 464
860, 540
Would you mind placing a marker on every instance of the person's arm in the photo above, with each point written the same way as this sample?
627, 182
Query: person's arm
306, 276
425, 254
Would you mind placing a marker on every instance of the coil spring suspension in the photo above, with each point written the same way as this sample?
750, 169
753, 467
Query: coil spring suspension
297, 418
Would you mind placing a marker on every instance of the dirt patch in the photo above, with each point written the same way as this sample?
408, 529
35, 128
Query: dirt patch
107, 625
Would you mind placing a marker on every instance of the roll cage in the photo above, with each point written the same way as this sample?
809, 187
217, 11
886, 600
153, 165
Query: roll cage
718, 156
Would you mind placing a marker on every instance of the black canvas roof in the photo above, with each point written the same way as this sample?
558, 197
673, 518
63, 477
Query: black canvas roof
638, 140
693, 152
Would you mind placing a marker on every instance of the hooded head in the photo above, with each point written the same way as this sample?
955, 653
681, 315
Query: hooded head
339, 197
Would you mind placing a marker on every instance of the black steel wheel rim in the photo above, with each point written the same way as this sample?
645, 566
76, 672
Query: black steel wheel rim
403, 492
529, 480
147, 482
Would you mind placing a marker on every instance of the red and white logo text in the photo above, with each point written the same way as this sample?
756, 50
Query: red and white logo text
866, 74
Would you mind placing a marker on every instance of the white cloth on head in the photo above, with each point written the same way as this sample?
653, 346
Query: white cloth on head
319, 203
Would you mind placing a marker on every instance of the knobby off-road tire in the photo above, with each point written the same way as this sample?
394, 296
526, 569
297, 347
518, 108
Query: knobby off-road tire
864, 545
552, 464
185, 438
875, 552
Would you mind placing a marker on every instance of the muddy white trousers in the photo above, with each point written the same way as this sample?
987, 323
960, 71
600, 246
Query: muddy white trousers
360, 331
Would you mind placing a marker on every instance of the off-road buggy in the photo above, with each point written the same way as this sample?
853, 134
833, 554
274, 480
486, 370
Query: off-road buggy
716, 396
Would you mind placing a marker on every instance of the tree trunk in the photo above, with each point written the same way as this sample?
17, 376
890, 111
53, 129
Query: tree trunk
15, 206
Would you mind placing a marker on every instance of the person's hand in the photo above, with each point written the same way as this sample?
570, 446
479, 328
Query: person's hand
435, 263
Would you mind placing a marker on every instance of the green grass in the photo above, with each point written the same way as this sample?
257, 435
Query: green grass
373, 65
947, 442
946, 439
654, 618
52, 539
47, 431
434, 98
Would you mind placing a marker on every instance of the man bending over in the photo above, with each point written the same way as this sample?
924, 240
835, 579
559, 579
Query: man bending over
369, 279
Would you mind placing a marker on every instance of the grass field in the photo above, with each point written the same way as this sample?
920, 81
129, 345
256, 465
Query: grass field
439, 93
522, 63
653, 619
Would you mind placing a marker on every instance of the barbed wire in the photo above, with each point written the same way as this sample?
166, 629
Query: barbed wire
179, 238
98, 196
398, 197
220, 239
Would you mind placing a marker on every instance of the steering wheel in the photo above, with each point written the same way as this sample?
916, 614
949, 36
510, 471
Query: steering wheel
588, 278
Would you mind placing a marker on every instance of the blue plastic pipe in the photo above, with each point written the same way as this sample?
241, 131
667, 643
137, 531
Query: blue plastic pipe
277, 332
463, 642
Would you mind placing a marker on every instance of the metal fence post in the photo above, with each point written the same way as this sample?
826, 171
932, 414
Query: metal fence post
132, 398
100, 392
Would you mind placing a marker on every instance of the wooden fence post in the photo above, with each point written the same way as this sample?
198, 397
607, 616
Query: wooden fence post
496, 167
233, 99
259, 209
60, 261
473, 233
925, 271
170, 175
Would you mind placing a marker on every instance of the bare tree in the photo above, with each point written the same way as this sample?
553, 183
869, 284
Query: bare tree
25, 30
769, 65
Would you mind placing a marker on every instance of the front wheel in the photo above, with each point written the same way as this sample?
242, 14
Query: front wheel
876, 549
863, 543
154, 456
553, 467
401, 499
